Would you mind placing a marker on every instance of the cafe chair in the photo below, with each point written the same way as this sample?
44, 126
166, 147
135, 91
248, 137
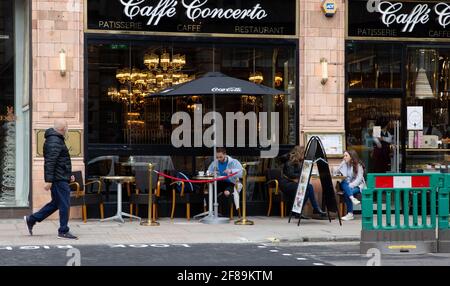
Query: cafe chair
80, 196
141, 193
274, 190
184, 193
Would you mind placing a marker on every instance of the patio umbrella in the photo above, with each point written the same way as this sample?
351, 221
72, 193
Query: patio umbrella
213, 83
216, 83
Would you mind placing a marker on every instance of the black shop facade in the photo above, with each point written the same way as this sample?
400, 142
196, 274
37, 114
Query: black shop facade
398, 80
133, 49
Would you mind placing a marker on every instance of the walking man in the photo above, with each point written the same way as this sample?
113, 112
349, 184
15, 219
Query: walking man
58, 175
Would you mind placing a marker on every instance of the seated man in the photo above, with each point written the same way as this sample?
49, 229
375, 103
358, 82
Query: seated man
226, 165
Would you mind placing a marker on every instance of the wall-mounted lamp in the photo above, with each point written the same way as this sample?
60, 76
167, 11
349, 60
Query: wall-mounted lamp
324, 65
62, 62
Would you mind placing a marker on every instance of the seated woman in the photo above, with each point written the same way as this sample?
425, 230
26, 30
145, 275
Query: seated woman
353, 169
291, 170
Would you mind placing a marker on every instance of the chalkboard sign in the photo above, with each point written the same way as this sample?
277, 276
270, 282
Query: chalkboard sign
315, 154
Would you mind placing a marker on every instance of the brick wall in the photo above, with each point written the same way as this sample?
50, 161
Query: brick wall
322, 106
56, 25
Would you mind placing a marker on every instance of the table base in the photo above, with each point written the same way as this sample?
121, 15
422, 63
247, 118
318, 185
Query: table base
215, 220
119, 217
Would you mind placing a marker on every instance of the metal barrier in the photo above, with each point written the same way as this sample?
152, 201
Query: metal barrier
408, 225
443, 216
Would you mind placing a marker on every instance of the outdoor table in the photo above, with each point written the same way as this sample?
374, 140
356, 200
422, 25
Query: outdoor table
210, 195
213, 216
119, 180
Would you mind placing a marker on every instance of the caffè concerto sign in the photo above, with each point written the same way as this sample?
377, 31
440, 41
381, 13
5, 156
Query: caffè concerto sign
236, 17
398, 19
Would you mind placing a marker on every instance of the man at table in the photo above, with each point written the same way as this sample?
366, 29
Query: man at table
226, 165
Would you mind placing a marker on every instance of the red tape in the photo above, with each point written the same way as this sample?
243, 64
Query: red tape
196, 181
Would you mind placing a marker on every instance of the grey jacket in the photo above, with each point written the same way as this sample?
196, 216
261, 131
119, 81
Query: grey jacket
354, 181
233, 164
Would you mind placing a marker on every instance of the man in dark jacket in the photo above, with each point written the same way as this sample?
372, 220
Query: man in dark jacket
58, 175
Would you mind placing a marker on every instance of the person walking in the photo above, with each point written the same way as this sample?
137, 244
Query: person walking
58, 175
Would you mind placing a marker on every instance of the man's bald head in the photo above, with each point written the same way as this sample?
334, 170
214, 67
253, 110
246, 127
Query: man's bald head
60, 125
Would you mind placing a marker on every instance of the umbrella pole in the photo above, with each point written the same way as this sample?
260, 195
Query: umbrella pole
216, 167
215, 219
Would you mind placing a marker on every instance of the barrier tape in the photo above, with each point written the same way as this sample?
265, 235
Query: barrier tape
195, 181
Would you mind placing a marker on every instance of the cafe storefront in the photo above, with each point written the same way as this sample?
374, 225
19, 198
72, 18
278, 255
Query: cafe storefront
397, 81
96, 64
133, 50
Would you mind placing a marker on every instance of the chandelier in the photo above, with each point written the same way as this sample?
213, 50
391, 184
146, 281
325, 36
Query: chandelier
256, 77
135, 84
164, 62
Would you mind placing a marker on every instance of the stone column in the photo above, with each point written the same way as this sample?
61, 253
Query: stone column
321, 106
56, 25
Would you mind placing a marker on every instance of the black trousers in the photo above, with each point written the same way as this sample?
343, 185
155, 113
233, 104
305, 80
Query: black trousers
60, 192
225, 202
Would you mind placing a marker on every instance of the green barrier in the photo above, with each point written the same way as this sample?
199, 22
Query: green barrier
443, 214
404, 198
410, 212
444, 202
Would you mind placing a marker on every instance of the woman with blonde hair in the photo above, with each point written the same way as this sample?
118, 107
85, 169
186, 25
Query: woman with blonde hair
291, 170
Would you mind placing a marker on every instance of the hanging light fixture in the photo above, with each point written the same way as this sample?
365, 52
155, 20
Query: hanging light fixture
256, 77
278, 79
151, 60
423, 88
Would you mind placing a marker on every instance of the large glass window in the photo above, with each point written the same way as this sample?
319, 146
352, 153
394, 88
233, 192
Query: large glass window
428, 85
373, 65
124, 75
14, 106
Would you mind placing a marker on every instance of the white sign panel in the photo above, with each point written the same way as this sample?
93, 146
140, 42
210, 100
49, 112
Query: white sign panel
302, 185
334, 143
414, 117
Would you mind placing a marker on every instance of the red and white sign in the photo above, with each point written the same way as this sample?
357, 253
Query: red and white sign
402, 182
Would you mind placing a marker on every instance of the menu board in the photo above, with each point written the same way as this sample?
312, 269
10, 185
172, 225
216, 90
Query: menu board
334, 143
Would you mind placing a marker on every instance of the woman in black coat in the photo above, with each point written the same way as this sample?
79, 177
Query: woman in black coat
292, 169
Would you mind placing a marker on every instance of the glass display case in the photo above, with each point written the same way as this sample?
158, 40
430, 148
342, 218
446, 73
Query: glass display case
428, 160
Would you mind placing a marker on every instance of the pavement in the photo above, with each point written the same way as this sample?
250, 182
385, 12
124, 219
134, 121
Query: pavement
13, 232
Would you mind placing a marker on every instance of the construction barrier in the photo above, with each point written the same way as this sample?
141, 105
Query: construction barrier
443, 216
410, 203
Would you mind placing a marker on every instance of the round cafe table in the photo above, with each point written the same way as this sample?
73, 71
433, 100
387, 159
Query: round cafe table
119, 180
210, 195
212, 216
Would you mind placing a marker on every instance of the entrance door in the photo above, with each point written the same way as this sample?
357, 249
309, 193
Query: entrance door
373, 131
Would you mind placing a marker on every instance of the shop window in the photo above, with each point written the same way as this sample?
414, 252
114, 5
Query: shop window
428, 84
124, 75
14, 106
373, 66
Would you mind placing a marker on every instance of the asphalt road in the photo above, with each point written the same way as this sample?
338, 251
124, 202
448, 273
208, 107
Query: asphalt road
156, 255
304, 254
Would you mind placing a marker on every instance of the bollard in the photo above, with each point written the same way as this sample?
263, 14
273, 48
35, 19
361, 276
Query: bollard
243, 220
151, 220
